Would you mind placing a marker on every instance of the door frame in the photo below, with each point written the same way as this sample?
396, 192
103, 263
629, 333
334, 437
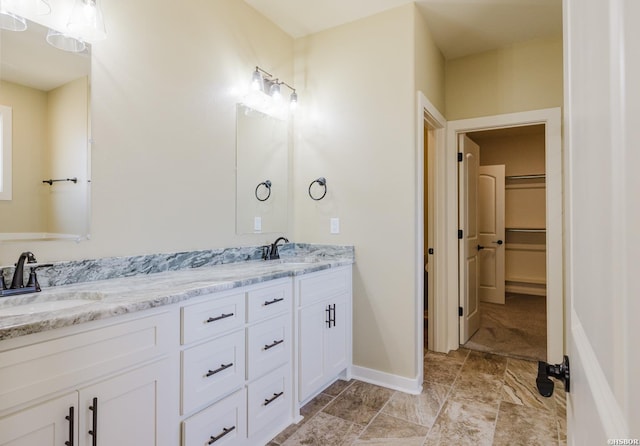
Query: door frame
428, 115
551, 118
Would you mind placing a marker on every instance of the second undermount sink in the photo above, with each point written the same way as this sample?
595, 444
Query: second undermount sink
29, 305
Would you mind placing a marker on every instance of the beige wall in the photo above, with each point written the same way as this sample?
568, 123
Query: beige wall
357, 129
429, 64
26, 212
163, 94
525, 76
68, 139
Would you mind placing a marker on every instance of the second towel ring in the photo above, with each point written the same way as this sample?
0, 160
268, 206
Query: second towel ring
267, 184
322, 181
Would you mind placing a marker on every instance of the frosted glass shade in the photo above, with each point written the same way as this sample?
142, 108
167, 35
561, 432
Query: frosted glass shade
86, 21
65, 42
11, 21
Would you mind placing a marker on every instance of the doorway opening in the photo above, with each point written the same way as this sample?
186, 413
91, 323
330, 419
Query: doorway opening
453, 285
511, 242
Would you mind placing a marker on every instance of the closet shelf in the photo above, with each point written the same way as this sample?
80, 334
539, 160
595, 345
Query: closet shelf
525, 177
533, 230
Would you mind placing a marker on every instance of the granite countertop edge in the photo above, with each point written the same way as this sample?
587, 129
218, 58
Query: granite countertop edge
114, 297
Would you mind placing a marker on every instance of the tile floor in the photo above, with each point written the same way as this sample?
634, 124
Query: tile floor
517, 329
468, 398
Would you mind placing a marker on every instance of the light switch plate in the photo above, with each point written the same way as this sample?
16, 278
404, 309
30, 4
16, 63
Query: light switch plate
257, 224
335, 225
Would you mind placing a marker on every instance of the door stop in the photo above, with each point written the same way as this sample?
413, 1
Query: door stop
558, 371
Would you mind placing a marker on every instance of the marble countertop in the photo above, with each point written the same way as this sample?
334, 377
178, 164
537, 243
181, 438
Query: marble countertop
88, 301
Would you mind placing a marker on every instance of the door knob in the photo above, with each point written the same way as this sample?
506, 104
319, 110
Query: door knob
499, 242
480, 247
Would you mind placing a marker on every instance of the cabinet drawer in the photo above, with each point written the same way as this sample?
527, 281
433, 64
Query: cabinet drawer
269, 400
211, 318
268, 301
268, 345
324, 284
39, 369
211, 370
224, 423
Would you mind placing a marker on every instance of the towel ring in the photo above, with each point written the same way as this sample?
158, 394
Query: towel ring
267, 184
322, 181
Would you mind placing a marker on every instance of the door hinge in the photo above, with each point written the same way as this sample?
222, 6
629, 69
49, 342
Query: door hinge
460, 234
430, 251
460, 311
459, 157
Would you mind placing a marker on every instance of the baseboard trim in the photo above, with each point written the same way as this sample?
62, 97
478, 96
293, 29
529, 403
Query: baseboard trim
609, 411
523, 289
395, 382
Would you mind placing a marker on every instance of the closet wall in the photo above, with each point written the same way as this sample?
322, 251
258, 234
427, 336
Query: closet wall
521, 150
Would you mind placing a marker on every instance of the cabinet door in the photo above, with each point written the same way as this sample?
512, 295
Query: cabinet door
313, 320
44, 425
336, 340
124, 410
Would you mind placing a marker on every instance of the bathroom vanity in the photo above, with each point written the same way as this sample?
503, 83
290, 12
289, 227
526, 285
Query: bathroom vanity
222, 355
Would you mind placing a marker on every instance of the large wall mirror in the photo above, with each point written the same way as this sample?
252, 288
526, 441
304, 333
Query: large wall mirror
47, 91
262, 172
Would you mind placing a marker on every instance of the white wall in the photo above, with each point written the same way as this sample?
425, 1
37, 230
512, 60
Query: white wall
163, 90
602, 54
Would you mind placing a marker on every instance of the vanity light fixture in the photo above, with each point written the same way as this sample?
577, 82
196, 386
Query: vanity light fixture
65, 42
25, 8
86, 21
10, 21
264, 81
12, 12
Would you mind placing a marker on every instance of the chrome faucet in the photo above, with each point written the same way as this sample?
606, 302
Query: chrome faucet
272, 250
18, 274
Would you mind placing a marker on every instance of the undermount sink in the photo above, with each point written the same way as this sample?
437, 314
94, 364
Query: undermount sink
28, 305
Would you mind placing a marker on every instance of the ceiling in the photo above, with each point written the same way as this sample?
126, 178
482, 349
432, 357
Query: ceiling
459, 27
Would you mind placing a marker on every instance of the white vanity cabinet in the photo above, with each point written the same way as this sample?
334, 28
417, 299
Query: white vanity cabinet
103, 383
46, 424
218, 369
324, 329
237, 358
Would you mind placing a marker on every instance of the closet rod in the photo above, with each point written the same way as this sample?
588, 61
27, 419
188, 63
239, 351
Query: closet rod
541, 230
525, 177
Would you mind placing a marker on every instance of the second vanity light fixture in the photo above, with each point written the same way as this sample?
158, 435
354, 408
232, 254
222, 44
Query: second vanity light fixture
268, 84
85, 22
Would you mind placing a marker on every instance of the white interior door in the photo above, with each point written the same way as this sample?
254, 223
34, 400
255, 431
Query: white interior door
602, 97
468, 212
491, 199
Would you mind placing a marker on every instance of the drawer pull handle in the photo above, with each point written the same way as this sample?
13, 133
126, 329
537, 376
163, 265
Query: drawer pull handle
224, 432
222, 316
267, 347
71, 420
94, 431
268, 401
274, 301
218, 370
